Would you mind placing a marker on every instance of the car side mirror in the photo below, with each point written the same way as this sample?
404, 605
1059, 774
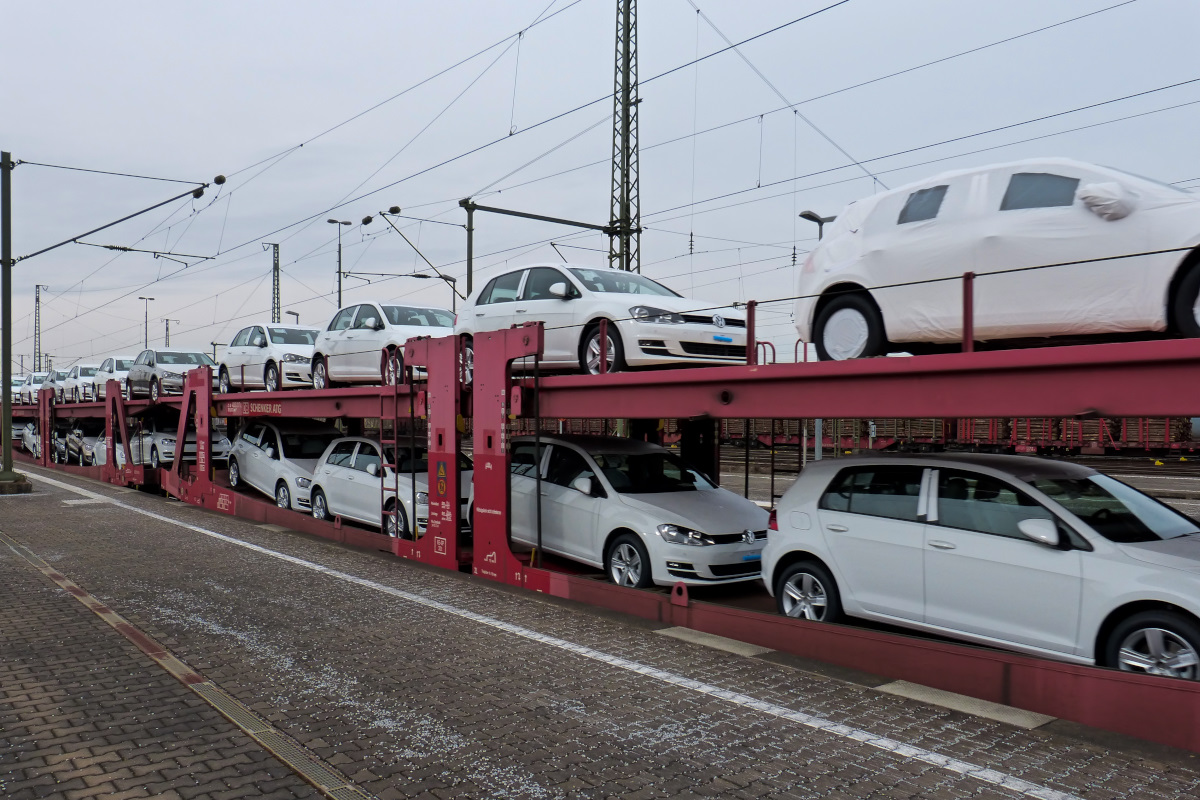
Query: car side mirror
1042, 531
582, 484
373, 470
559, 290
270, 452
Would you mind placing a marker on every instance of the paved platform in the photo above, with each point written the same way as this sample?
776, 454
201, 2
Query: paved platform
414, 682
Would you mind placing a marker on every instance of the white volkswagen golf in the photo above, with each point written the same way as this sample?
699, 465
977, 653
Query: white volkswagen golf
865, 289
268, 356
278, 459
364, 343
1042, 557
634, 510
649, 325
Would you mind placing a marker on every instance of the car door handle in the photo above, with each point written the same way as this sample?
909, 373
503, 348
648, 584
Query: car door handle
838, 528
522, 310
479, 313
940, 545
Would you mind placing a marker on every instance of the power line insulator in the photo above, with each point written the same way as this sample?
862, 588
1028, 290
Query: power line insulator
394, 210
219, 180
198, 193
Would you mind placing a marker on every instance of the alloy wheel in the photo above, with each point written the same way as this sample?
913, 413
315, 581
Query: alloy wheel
319, 511
271, 379
154, 390
805, 598
223, 385
593, 354
320, 377
1159, 651
154, 461
283, 498
625, 565
235, 475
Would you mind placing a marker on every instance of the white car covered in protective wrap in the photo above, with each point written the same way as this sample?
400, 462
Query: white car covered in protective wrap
887, 273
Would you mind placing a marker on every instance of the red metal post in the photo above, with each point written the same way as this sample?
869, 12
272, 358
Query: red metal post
968, 289
751, 334
603, 346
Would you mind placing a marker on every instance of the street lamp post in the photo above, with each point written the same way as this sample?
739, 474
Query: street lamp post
339, 223
818, 424
295, 314
147, 299
167, 333
813, 216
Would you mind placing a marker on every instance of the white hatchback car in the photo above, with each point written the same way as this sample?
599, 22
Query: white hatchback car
156, 444
995, 218
649, 325
360, 342
1037, 556
278, 459
115, 368
80, 383
29, 389
634, 510
268, 356
348, 482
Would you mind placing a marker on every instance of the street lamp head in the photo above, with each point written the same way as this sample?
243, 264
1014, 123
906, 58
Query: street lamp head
811, 216
145, 298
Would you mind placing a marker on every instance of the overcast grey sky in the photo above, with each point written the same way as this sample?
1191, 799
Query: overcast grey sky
188, 91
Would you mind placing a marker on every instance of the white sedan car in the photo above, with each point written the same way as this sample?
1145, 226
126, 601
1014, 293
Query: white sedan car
80, 383
634, 510
348, 482
996, 218
649, 325
1041, 557
29, 389
278, 459
115, 368
364, 343
268, 356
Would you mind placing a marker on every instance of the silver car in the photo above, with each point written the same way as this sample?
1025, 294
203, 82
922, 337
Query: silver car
1037, 556
82, 443
158, 372
80, 384
278, 459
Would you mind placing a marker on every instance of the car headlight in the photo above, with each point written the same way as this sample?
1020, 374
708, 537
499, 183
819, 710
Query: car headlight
422, 498
652, 314
172, 375
167, 442
676, 534
292, 358
303, 483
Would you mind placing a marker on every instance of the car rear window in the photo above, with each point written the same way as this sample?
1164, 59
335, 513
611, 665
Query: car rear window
877, 491
1038, 190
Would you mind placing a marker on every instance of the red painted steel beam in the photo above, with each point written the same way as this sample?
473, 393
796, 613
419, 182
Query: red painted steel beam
360, 402
1130, 379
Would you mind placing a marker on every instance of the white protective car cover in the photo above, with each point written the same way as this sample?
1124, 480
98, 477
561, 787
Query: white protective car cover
1114, 213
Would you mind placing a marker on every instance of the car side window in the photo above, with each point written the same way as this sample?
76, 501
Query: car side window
269, 441
366, 313
341, 454
537, 285
922, 204
1038, 190
107, 366
877, 491
253, 434
341, 320
367, 455
241, 339
257, 336
566, 465
523, 460
503, 289
975, 502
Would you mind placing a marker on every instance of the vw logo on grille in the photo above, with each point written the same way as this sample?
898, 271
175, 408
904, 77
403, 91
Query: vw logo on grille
718, 320
748, 536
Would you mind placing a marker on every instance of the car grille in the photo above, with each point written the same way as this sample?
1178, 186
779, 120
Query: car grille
707, 319
718, 350
733, 570
734, 538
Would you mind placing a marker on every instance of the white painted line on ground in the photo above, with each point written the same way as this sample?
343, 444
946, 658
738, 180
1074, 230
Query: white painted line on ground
968, 705
714, 641
900, 749
1155, 477
84, 501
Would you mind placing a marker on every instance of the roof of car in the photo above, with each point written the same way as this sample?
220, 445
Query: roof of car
1019, 466
598, 444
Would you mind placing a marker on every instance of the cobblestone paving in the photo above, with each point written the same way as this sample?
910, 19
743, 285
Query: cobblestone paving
86, 714
411, 701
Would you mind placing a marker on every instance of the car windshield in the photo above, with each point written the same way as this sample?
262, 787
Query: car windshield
307, 445
87, 372
200, 359
293, 335
1156, 182
1116, 511
422, 317
649, 473
620, 282
123, 365
421, 464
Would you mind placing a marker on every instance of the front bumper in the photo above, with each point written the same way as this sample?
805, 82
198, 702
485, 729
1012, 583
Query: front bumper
706, 565
648, 344
296, 373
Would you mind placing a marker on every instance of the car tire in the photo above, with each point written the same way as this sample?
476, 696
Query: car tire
627, 563
320, 374
283, 497
1186, 304
154, 390
466, 366
128, 390
53, 454
397, 523
320, 507
271, 377
223, 384
235, 474
1150, 641
155, 462
806, 590
849, 326
589, 350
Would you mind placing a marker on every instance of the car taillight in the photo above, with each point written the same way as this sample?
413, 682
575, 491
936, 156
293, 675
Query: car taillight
773, 522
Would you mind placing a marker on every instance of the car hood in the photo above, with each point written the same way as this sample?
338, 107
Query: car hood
680, 305
1182, 552
304, 466
305, 350
713, 511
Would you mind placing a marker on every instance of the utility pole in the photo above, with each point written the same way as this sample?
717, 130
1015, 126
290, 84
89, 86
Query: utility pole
9, 480
147, 299
275, 305
167, 336
624, 250
215, 345
37, 326
339, 223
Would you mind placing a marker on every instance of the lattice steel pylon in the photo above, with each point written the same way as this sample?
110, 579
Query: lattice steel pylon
37, 327
276, 306
624, 250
